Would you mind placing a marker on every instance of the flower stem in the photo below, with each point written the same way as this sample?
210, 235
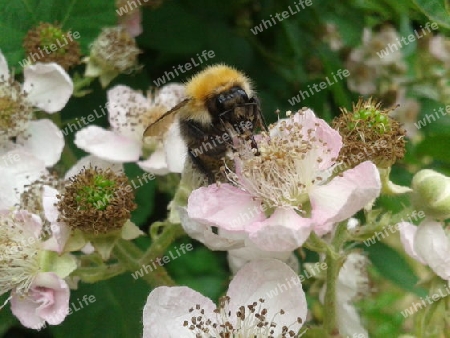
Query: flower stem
162, 241
125, 252
334, 260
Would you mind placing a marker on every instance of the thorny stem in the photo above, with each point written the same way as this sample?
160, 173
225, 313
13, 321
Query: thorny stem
125, 252
334, 261
96, 274
162, 241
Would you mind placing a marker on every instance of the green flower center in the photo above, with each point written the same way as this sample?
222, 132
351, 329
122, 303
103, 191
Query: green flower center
99, 194
372, 118
52, 35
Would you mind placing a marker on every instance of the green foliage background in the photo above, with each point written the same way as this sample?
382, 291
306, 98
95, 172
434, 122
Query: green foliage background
281, 60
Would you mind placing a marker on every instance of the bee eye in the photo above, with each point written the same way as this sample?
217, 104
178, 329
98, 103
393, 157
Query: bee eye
236, 93
221, 99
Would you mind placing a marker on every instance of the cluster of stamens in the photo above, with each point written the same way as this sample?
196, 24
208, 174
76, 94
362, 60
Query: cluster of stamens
284, 166
19, 262
31, 197
250, 322
96, 201
15, 110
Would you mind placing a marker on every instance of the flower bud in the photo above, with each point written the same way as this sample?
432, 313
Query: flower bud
432, 193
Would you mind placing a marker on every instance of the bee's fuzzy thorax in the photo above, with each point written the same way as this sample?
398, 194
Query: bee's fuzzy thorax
216, 79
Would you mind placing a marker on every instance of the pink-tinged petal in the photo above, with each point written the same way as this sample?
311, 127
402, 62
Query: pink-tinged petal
4, 71
237, 258
47, 300
224, 206
284, 230
121, 100
407, 237
107, 145
18, 168
167, 308
48, 86
175, 149
204, 234
55, 301
313, 127
24, 309
345, 195
331, 138
44, 140
156, 163
132, 23
433, 245
93, 161
264, 279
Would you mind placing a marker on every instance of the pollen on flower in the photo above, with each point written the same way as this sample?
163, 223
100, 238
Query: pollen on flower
286, 165
250, 320
19, 252
15, 110
48, 43
96, 201
368, 133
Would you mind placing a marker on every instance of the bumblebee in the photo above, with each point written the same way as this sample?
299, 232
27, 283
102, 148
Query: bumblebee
220, 106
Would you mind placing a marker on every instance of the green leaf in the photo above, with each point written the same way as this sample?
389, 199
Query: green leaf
17, 17
144, 189
7, 320
115, 312
435, 146
436, 10
173, 29
201, 269
394, 267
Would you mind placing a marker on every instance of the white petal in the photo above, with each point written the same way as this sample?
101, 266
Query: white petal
45, 141
122, 99
277, 284
284, 230
4, 71
60, 231
156, 163
349, 322
432, 244
175, 148
107, 145
17, 169
90, 160
167, 308
352, 281
170, 95
407, 237
48, 85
